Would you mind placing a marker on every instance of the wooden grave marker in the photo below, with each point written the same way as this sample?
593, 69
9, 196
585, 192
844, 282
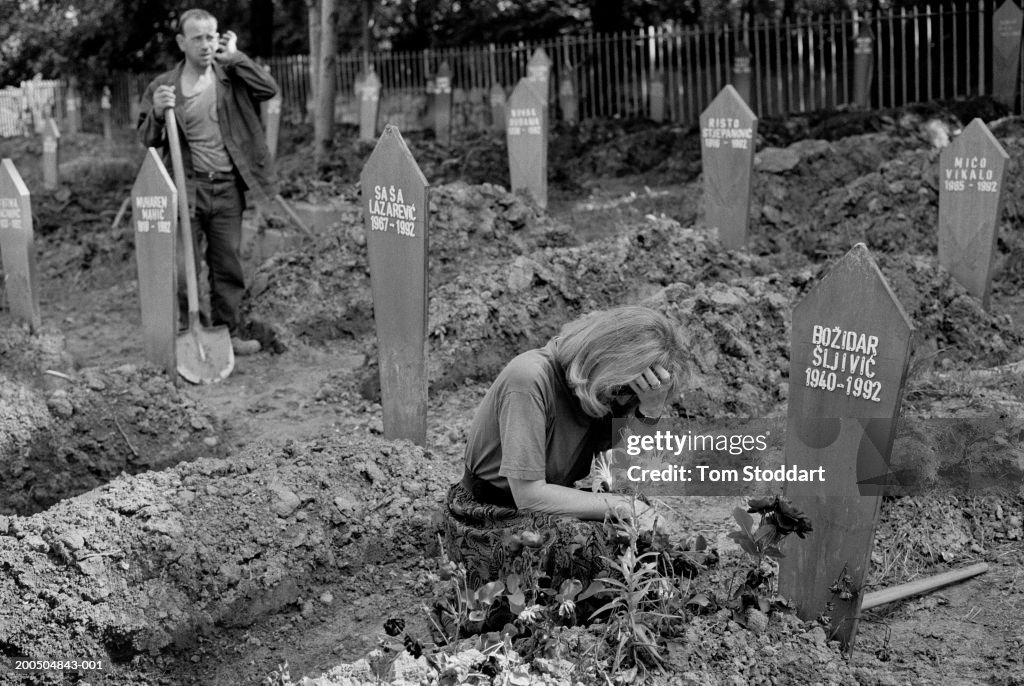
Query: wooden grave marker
155, 218
1006, 30
394, 193
849, 349
568, 103
657, 97
538, 73
443, 104
728, 132
51, 138
527, 134
17, 247
108, 129
741, 72
971, 187
369, 106
498, 101
863, 56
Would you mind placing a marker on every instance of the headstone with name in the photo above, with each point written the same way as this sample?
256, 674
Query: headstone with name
17, 247
971, 170
155, 217
527, 133
863, 56
51, 138
369, 106
270, 111
849, 349
728, 130
538, 73
741, 72
498, 101
108, 132
1006, 30
394, 193
657, 97
443, 104
567, 100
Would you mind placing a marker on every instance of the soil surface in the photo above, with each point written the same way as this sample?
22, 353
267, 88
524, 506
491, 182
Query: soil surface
261, 530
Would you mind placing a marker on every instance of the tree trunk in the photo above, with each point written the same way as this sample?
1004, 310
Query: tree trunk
323, 126
313, 7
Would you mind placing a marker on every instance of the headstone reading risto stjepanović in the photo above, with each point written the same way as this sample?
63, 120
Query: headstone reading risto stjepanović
155, 218
728, 130
526, 131
849, 349
1006, 30
394, 196
971, 189
17, 247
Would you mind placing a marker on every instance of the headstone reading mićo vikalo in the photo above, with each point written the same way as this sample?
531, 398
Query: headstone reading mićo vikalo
863, 56
527, 134
970, 201
657, 97
741, 72
849, 349
567, 101
443, 104
538, 73
21, 281
51, 136
497, 99
394, 193
369, 105
155, 216
1006, 30
728, 129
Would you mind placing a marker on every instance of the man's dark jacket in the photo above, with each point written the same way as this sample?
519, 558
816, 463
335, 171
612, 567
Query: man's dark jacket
241, 85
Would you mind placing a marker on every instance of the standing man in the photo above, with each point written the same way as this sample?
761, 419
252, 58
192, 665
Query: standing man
214, 93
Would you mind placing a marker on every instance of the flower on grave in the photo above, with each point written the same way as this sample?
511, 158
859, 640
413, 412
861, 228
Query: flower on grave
567, 609
788, 519
531, 614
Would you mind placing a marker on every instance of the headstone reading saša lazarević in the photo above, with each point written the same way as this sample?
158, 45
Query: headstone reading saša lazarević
369, 105
971, 170
51, 156
155, 217
21, 280
1006, 30
849, 349
728, 131
526, 131
394, 196
443, 104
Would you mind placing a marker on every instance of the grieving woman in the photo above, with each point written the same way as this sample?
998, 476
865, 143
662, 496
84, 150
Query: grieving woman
536, 433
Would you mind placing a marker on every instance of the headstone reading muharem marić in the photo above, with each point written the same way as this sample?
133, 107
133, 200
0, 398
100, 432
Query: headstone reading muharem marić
728, 132
17, 247
394, 196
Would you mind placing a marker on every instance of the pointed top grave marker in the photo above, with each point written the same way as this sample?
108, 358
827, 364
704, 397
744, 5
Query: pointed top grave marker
21, 281
849, 348
51, 134
538, 72
728, 133
394, 197
1006, 31
155, 218
971, 170
527, 135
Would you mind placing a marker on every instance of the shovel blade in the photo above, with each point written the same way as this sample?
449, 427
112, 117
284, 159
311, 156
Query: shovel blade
205, 354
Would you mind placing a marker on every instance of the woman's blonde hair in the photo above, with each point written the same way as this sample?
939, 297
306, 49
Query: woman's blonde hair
605, 350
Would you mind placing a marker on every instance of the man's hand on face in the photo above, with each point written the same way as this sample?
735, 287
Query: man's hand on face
228, 47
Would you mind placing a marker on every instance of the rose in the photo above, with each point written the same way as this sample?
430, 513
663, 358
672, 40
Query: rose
789, 520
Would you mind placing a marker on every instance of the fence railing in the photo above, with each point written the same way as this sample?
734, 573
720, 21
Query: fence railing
800, 65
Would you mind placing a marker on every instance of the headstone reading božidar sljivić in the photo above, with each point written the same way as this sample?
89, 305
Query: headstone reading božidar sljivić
863, 56
657, 97
394, 196
728, 130
497, 100
51, 157
155, 217
849, 349
1006, 30
443, 104
17, 247
538, 73
369, 105
971, 187
526, 131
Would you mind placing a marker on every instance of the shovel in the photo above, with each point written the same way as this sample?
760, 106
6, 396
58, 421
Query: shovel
204, 353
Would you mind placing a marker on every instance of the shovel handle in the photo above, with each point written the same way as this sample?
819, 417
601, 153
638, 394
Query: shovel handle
184, 219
